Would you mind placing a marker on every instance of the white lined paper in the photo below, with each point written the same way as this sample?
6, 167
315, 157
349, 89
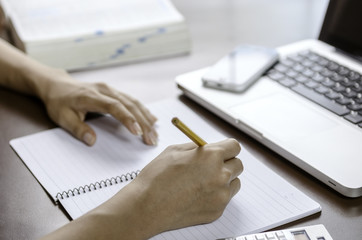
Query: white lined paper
60, 163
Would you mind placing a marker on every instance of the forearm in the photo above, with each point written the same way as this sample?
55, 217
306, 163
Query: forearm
122, 217
23, 74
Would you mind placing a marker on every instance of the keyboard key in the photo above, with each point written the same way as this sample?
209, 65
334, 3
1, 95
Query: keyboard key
323, 61
288, 82
339, 88
343, 71
349, 93
308, 73
275, 75
270, 236
322, 90
336, 77
321, 100
287, 62
318, 77
281, 68
296, 58
332, 66
260, 237
302, 79
317, 68
347, 82
307, 63
354, 118
357, 100
355, 107
357, 87
291, 73
328, 83
344, 101
311, 84
326, 72
298, 68
354, 76
333, 95
314, 57
281, 236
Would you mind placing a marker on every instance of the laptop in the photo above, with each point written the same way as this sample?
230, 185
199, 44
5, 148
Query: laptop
307, 107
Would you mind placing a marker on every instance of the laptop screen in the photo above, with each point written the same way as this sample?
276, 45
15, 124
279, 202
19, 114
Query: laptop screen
342, 26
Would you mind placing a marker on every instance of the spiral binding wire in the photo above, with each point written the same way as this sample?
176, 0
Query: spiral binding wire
97, 185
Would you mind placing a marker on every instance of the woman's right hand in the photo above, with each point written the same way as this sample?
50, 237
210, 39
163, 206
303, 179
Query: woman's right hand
188, 185
185, 185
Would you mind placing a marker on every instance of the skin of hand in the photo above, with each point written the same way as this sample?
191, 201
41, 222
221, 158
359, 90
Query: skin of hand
68, 101
185, 185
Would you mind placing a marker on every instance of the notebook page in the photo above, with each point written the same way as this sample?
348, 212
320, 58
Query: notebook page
82, 202
264, 201
61, 163
45, 20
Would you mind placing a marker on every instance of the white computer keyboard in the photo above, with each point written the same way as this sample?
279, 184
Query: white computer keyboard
314, 232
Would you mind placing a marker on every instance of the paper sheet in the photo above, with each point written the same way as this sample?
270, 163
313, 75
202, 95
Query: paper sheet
62, 163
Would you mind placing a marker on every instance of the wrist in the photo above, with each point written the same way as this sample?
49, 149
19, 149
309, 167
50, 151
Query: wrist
129, 214
42, 78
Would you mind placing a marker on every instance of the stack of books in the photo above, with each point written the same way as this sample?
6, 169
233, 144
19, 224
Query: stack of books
90, 33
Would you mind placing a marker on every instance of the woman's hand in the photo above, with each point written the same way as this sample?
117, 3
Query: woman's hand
67, 102
187, 185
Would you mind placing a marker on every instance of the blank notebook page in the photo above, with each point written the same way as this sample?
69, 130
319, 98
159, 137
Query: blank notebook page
61, 163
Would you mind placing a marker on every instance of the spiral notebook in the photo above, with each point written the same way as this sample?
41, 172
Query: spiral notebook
81, 178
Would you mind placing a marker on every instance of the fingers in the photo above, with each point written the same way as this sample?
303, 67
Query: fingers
229, 148
235, 186
183, 147
145, 119
232, 166
235, 167
73, 123
137, 119
132, 104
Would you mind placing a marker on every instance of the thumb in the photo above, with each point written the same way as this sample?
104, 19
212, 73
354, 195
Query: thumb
79, 129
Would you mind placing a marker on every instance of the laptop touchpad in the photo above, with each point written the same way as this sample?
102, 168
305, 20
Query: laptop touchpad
282, 117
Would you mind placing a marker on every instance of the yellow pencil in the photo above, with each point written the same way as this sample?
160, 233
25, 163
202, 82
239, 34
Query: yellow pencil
187, 131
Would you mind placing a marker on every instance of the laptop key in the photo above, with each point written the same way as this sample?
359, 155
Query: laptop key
321, 100
275, 75
354, 118
311, 84
344, 101
333, 95
288, 82
322, 90
328, 83
349, 93
355, 106
339, 88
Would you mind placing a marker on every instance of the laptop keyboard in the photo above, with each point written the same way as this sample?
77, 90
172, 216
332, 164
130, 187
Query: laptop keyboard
327, 83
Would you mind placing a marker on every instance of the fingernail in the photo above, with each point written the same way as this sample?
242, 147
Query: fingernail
152, 137
136, 129
153, 118
88, 138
